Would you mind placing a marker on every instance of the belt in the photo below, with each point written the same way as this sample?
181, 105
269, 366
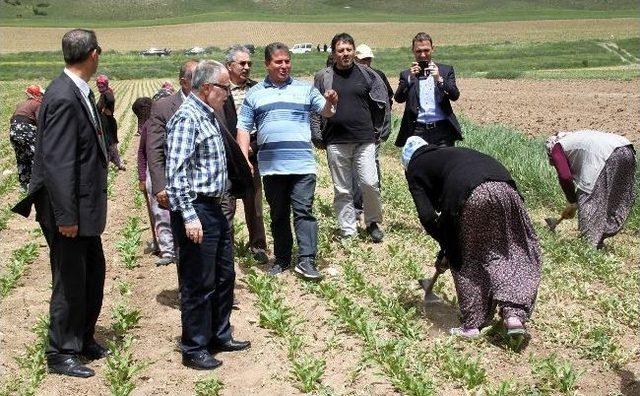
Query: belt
208, 199
432, 125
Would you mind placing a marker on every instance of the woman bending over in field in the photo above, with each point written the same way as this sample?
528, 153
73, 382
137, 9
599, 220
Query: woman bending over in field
602, 166
484, 232
22, 132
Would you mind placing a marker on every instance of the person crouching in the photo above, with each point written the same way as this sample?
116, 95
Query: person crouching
484, 232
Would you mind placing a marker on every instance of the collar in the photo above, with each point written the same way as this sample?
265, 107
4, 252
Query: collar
80, 83
184, 97
205, 108
269, 83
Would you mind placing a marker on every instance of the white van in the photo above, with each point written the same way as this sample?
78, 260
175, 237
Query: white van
301, 48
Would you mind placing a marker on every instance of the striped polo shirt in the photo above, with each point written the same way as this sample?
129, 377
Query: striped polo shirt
281, 116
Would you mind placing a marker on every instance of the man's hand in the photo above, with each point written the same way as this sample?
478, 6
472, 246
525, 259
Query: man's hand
414, 69
435, 72
142, 186
163, 199
69, 231
194, 230
569, 211
331, 96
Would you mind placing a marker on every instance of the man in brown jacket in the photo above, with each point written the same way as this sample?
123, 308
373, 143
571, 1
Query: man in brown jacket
161, 112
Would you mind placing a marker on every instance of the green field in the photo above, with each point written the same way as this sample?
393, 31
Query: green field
156, 12
565, 59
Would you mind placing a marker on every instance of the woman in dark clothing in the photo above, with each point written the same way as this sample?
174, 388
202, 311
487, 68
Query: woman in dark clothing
596, 171
22, 132
106, 106
484, 232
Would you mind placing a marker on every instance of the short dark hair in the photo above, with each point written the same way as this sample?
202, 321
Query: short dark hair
186, 70
77, 45
142, 108
344, 37
271, 49
422, 36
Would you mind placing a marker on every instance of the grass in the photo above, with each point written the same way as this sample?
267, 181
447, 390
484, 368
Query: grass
20, 259
306, 369
31, 363
149, 13
503, 60
211, 386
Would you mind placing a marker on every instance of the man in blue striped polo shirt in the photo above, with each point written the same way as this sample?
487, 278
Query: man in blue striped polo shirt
279, 108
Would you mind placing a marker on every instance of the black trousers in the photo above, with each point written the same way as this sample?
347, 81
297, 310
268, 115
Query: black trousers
77, 272
206, 277
442, 134
286, 193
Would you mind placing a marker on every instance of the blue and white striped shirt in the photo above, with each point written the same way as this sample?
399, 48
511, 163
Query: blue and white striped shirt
281, 115
196, 161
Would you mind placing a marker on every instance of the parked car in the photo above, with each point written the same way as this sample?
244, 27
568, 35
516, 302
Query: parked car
301, 48
156, 51
195, 51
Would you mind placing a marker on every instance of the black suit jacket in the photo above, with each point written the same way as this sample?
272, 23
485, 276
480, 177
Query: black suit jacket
161, 112
69, 176
408, 91
231, 121
238, 170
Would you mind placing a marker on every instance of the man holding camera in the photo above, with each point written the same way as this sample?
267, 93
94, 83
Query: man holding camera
428, 89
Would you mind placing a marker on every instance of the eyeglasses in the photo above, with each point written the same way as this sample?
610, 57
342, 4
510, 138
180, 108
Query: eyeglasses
225, 87
97, 48
245, 63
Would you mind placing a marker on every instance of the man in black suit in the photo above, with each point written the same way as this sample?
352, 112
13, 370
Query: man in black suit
428, 89
69, 190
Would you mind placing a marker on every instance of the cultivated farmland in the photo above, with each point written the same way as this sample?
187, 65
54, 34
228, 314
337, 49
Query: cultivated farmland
363, 330
383, 34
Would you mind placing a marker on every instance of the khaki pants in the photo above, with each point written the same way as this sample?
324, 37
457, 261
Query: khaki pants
349, 162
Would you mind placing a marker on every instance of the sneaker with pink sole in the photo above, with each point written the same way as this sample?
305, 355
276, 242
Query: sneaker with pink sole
462, 332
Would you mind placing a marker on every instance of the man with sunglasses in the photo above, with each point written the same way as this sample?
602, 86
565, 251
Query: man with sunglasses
238, 62
69, 190
197, 176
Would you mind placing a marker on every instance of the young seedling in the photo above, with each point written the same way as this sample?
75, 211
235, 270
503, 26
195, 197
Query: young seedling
208, 387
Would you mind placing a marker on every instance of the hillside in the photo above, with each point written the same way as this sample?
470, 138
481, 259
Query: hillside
161, 12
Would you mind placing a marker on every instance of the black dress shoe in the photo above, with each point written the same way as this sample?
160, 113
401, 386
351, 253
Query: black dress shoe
68, 365
201, 360
231, 346
95, 351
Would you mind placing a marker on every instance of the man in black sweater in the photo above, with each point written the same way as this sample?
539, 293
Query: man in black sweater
350, 136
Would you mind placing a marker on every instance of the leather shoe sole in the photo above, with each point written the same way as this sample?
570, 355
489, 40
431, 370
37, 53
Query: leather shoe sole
72, 368
232, 346
210, 364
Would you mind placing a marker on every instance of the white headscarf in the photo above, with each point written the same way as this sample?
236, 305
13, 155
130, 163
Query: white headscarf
553, 140
413, 143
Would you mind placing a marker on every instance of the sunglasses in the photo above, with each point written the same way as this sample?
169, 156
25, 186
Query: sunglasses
225, 87
245, 63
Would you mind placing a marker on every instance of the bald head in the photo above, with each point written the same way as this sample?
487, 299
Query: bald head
186, 74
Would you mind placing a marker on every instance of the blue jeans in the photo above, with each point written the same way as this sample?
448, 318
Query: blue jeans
206, 277
284, 193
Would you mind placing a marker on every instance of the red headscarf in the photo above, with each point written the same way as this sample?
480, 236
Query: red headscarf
103, 84
34, 92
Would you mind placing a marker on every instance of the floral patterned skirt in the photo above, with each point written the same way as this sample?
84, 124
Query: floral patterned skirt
602, 213
501, 256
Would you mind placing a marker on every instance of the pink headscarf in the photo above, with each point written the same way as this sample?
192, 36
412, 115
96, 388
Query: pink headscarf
103, 83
